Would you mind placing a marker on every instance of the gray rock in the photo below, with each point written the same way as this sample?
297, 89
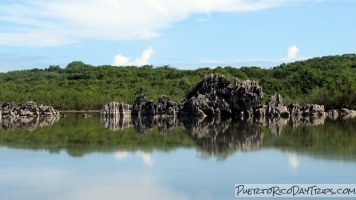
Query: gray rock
116, 108
276, 107
26, 109
313, 110
195, 106
245, 96
260, 112
209, 97
165, 106
214, 96
294, 109
140, 105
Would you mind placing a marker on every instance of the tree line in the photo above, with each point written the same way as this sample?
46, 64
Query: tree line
329, 80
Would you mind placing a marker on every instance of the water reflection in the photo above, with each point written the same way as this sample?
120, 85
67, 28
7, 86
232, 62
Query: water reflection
212, 137
27, 123
222, 136
144, 156
203, 127
219, 137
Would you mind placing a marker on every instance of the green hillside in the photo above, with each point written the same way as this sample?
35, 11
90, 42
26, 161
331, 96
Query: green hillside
329, 80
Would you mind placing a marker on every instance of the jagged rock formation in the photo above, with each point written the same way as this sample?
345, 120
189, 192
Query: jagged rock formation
294, 109
165, 106
144, 106
209, 97
214, 96
245, 96
276, 107
313, 110
116, 108
26, 109
196, 106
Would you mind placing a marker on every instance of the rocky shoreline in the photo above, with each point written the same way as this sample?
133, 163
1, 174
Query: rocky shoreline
26, 109
215, 96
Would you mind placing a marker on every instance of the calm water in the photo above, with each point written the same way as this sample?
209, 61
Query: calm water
168, 158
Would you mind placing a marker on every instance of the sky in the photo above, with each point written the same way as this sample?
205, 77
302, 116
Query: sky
186, 34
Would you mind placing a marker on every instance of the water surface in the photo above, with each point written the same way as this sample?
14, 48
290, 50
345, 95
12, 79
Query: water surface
79, 157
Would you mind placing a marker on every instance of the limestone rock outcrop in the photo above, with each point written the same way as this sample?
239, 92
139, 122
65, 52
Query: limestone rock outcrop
294, 109
276, 107
147, 107
245, 96
116, 108
215, 96
26, 109
209, 97
313, 110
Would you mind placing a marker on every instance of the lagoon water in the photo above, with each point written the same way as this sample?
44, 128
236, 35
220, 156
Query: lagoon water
79, 157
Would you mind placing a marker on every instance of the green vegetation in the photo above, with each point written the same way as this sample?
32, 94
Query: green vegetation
329, 80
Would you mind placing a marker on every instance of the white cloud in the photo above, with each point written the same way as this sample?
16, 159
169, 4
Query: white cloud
292, 52
57, 22
120, 60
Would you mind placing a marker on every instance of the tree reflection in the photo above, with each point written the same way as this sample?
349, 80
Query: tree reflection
213, 137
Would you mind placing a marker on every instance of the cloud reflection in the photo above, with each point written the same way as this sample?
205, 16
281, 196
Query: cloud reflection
121, 155
123, 187
293, 160
78, 184
145, 157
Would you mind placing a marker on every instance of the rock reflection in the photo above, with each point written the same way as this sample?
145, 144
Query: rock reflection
141, 124
116, 123
164, 124
276, 125
214, 135
27, 123
219, 136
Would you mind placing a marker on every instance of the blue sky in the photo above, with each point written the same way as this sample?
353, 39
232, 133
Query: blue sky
185, 34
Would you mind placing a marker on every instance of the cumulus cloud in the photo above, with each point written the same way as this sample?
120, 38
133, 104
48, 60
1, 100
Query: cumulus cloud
292, 52
57, 22
120, 60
